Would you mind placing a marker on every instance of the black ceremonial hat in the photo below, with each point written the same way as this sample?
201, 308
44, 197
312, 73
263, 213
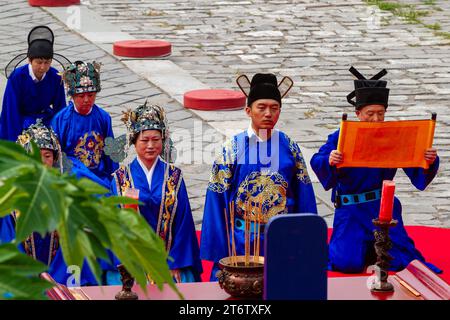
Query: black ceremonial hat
369, 91
263, 86
40, 43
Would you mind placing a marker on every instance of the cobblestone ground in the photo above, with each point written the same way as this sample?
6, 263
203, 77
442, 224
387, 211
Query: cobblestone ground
314, 42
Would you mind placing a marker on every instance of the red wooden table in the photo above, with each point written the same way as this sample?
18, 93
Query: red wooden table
349, 288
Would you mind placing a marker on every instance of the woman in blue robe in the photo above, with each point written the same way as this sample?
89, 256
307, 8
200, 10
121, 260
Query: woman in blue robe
162, 191
33, 91
267, 173
351, 247
83, 127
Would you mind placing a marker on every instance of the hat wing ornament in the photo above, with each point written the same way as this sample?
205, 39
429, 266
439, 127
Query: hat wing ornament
115, 148
67, 164
285, 86
244, 84
19, 59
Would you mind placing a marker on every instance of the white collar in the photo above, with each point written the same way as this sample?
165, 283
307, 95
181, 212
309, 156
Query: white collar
30, 71
251, 133
76, 110
148, 173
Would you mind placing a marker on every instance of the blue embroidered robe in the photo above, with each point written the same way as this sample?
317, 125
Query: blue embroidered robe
272, 173
24, 101
179, 234
83, 137
352, 240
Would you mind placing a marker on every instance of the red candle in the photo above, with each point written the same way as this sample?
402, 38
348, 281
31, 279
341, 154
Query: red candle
387, 201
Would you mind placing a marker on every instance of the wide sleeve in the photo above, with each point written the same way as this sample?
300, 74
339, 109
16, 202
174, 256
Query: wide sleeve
7, 229
305, 199
213, 244
184, 249
10, 118
420, 177
326, 174
81, 171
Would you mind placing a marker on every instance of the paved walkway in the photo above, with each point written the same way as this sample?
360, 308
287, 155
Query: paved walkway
313, 42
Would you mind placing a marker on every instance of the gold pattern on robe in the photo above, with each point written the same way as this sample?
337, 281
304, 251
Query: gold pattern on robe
89, 149
169, 201
221, 171
267, 191
126, 185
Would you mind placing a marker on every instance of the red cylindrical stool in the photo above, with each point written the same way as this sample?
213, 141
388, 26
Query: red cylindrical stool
214, 99
142, 48
53, 3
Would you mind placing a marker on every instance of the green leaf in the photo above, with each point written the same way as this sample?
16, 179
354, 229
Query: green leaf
87, 223
19, 275
142, 246
9, 195
41, 211
118, 200
13, 151
91, 187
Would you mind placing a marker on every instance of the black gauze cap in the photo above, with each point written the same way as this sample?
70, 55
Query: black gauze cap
263, 86
368, 91
371, 92
40, 49
40, 43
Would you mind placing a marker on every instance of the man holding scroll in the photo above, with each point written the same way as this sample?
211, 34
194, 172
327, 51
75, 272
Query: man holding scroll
357, 191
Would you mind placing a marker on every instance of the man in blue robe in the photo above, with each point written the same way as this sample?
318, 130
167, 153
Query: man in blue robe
351, 247
33, 91
259, 173
83, 126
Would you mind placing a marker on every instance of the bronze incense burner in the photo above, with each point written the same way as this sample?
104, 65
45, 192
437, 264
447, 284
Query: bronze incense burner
240, 277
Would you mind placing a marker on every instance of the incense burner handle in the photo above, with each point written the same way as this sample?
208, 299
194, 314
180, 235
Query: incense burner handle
221, 277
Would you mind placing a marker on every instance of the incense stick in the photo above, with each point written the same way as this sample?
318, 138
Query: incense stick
247, 234
228, 234
259, 231
233, 244
254, 238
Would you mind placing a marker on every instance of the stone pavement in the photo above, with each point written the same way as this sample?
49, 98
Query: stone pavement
314, 42
433, 14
